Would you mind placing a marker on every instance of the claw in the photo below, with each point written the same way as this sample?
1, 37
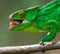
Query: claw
41, 43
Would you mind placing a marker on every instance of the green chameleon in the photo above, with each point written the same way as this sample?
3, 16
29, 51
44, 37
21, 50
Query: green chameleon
36, 20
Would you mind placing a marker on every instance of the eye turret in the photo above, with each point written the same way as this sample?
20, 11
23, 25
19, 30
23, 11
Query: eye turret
21, 13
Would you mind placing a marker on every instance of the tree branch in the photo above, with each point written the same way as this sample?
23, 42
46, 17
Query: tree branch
30, 48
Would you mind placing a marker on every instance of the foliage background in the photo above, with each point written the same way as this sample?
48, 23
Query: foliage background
13, 38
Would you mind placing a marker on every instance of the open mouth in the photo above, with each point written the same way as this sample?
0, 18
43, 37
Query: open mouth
16, 22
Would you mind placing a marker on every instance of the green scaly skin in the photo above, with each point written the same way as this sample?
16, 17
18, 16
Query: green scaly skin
36, 20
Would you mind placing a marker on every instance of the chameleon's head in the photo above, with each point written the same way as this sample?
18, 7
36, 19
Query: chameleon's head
22, 19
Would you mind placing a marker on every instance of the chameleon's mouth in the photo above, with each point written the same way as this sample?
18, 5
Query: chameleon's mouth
16, 22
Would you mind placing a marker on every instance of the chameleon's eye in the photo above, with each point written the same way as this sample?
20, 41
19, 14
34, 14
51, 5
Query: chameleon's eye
21, 13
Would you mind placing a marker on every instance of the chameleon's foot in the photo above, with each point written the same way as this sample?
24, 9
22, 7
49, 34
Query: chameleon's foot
41, 43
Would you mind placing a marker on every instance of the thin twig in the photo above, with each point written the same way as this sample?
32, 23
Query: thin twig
30, 48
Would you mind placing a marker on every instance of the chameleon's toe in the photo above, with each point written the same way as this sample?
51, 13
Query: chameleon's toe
41, 43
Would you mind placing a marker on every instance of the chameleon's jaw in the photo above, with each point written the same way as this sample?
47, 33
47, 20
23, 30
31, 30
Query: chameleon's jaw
16, 22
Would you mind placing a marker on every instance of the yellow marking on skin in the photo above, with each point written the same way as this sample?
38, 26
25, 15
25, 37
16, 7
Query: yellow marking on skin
33, 29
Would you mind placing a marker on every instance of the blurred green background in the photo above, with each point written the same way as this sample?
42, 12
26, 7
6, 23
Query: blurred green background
10, 38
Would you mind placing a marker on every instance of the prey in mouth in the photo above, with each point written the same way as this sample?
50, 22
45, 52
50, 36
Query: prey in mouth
16, 22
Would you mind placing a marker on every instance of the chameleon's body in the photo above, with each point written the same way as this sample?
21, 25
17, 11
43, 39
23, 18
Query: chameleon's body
37, 19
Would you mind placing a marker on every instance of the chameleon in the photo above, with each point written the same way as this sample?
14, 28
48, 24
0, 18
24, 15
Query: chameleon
38, 19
